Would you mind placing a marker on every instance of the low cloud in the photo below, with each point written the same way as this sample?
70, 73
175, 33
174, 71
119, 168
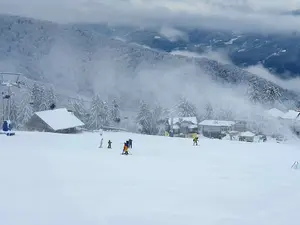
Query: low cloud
264, 16
289, 84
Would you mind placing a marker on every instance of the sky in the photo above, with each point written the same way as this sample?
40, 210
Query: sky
229, 14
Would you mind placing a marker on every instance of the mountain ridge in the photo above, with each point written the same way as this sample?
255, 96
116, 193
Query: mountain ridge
75, 57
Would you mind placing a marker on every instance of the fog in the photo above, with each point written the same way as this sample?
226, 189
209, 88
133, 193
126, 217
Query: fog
110, 75
253, 15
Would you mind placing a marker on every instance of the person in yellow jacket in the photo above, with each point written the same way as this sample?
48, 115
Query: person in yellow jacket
195, 140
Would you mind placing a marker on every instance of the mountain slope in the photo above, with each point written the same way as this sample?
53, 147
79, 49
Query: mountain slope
279, 53
87, 60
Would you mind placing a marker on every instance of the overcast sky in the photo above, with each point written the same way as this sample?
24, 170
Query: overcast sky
228, 14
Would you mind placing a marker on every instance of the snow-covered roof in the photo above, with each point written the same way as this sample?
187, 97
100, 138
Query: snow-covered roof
275, 113
176, 127
247, 134
192, 126
183, 119
217, 123
291, 114
59, 119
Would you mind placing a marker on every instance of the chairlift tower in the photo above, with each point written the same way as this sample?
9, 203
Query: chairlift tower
8, 80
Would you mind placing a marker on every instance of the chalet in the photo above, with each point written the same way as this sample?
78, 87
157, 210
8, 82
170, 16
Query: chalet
183, 125
292, 119
215, 128
57, 121
291, 115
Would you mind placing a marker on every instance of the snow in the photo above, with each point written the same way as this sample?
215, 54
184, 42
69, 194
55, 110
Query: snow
176, 127
230, 42
58, 179
192, 120
218, 123
291, 114
275, 113
247, 134
59, 119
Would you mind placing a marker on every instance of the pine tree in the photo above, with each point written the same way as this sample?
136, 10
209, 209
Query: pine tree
25, 110
38, 98
271, 93
99, 114
50, 99
13, 112
186, 109
254, 94
115, 112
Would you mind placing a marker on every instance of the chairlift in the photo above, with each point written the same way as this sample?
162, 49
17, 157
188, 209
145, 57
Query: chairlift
52, 106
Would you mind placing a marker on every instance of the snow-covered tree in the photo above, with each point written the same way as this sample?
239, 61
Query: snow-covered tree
79, 110
50, 99
271, 94
12, 112
254, 94
99, 114
225, 114
151, 121
145, 119
38, 98
209, 112
25, 110
186, 108
115, 112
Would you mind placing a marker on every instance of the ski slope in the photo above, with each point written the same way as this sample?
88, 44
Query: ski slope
56, 179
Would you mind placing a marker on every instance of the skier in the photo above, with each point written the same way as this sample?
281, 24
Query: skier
101, 142
130, 143
195, 140
101, 136
125, 149
109, 144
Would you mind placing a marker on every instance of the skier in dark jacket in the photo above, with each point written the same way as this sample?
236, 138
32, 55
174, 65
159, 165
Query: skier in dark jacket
130, 143
109, 144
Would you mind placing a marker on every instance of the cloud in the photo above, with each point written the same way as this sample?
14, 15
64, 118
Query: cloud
219, 56
172, 34
289, 84
231, 14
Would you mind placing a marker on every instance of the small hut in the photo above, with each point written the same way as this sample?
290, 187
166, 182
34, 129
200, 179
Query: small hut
57, 121
247, 136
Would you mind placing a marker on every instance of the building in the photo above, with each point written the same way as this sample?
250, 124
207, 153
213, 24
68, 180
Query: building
216, 128
183, 125
57, 120
276, 113
247, 136
291, 115
240, 126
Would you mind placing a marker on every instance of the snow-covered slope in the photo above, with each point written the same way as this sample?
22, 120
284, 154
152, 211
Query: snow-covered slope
66, 179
